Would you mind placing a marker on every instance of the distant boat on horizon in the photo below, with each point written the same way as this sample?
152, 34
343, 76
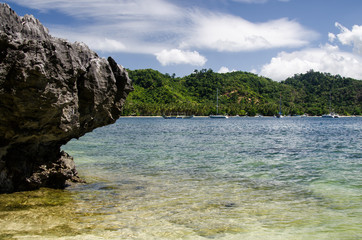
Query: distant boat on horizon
219, 116
178, 116
330, 115
217, 107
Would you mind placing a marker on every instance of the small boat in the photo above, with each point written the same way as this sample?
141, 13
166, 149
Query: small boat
178, 116
217, 108
327, 116
330, 115
219, 116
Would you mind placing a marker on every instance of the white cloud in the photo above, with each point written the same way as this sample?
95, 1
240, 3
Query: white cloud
230, 33
176, 56
351, 37
225, 70
110, 9
331, 37
108, 45
139, 26
327, 58
254, 71
96, 40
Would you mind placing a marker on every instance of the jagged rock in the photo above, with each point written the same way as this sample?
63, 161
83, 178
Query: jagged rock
51, 91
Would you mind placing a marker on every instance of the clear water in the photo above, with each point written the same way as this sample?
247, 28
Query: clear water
238, 178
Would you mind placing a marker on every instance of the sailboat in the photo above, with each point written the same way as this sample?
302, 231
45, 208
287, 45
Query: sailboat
330, 114
217, 108
279, 115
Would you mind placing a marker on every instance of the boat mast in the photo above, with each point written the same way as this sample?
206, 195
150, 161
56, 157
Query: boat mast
330, 103
217, 101
280, 105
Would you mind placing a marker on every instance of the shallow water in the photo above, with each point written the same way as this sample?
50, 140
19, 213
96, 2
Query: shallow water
238, 178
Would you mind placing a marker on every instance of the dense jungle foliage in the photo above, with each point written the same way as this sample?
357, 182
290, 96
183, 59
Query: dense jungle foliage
241, 93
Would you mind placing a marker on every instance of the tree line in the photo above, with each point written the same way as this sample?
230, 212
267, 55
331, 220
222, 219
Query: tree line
241, 93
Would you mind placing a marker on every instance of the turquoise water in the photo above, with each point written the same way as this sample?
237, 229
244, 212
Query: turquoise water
200, 178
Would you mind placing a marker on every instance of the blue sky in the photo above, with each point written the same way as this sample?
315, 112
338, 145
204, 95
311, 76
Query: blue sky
272, 38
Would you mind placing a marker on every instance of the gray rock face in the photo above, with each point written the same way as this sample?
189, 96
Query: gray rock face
50, 92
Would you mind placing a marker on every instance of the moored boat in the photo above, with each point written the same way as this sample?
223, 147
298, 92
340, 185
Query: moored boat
330, 114
217, 115
178, 116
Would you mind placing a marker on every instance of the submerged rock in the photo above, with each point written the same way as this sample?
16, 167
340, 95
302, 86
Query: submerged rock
51, 91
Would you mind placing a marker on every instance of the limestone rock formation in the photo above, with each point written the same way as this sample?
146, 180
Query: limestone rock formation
51, 91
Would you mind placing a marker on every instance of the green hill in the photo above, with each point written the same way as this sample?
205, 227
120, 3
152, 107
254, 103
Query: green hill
241, 93
315, 89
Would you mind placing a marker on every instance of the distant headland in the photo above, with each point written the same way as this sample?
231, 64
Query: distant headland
242, 93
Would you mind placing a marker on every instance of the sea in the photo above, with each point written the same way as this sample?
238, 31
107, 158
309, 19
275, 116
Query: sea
202, 178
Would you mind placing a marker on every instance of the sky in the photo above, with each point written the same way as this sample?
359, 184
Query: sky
271, 38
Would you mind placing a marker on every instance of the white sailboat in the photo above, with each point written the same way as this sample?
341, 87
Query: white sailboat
217, 108
330, 114
279, 115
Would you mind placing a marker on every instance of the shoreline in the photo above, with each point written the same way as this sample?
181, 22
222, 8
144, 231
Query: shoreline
341, 116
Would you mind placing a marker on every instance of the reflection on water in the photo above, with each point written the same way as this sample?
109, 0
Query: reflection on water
202, 179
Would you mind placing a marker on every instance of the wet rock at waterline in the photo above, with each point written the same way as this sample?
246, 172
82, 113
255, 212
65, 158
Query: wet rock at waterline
51, 91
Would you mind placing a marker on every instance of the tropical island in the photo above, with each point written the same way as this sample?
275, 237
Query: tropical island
242, 93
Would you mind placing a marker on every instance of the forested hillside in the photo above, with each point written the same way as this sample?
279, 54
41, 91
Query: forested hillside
315, 89
241, 93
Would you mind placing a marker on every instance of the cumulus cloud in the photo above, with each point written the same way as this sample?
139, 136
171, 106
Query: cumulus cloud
327, 58
231, 33
225, 70
351, 37
176, 56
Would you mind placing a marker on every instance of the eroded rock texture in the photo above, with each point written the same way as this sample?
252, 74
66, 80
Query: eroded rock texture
50, 92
